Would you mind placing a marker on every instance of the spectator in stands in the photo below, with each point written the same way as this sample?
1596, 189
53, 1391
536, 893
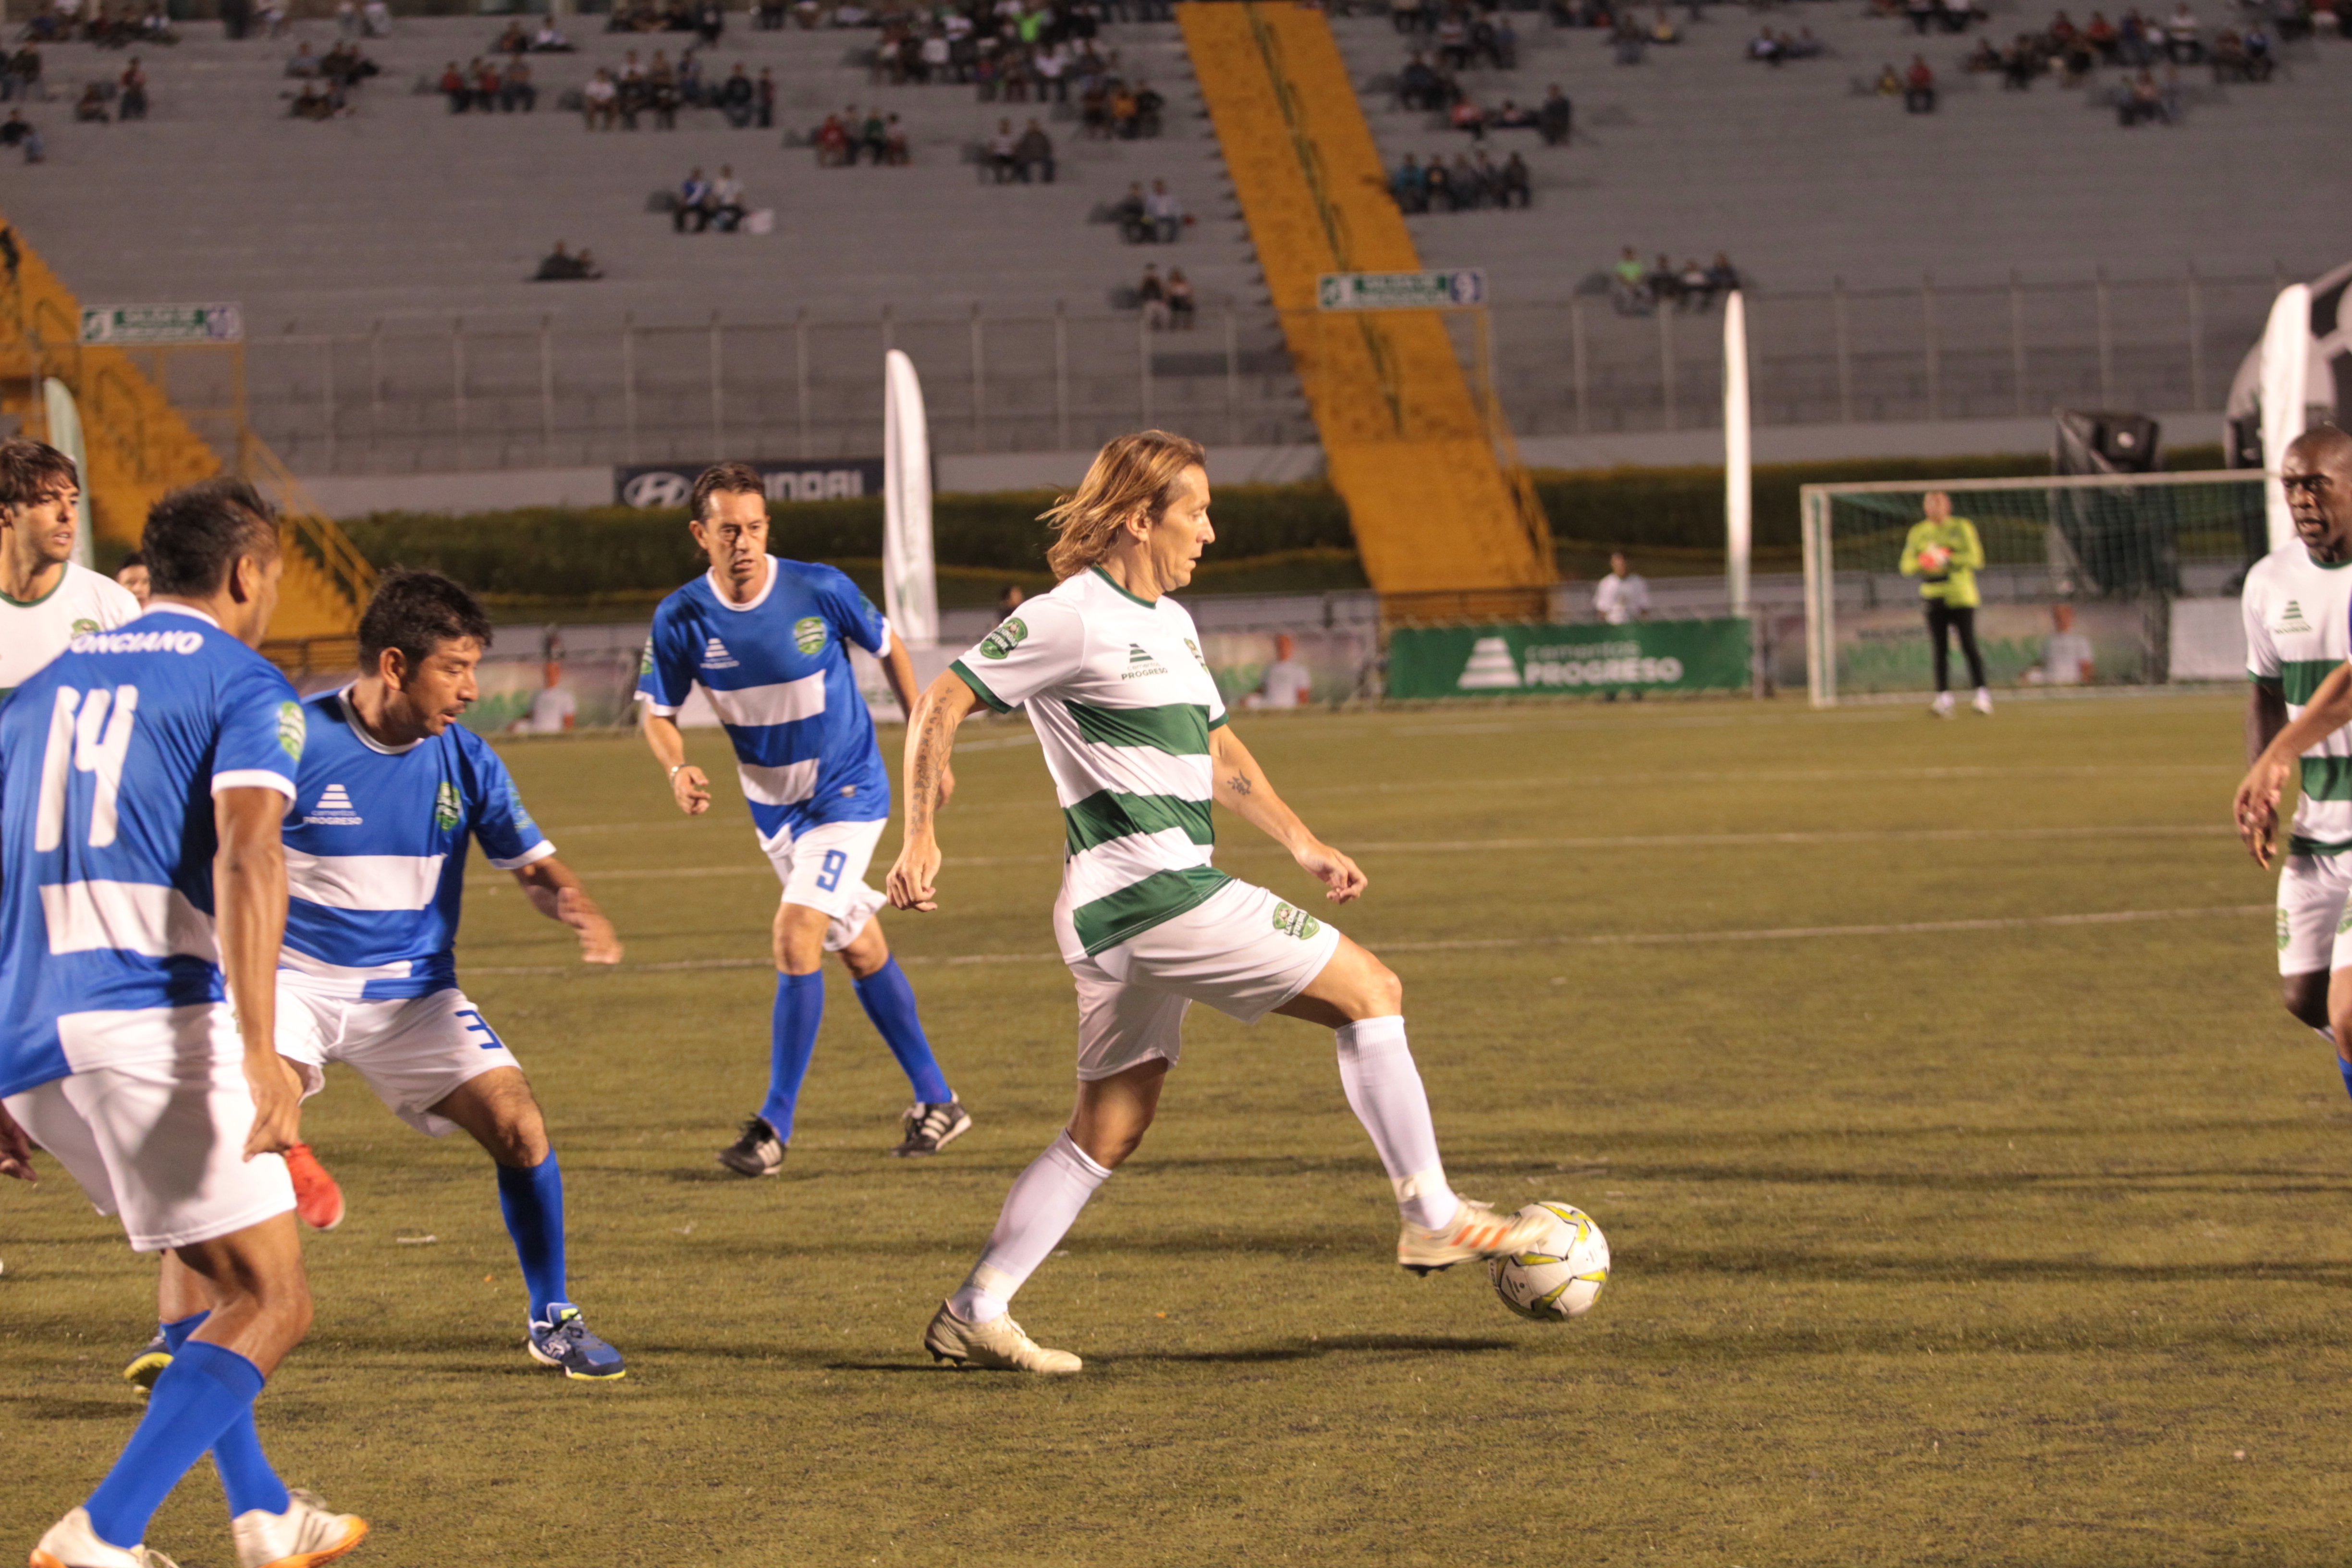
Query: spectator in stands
134, 92
726, 201
765, 97
1630, 39
1513, 185
1629, 284
517, 91
1555, 118
454, 89
560, 265
303, 63
313, 103
1697, 295
1152, 295
1919, 88
600, 100
1662, 30
375, 17
1418, 85
1407, 188
1722, 278
1004, 152
661, 92
1033, 155
1890, 82
2141, 101
737, 98
548, 41
894, 150
832, 142
1621, 597
1920, 14
692, 209
132, 577
1666, 283
709, 21
1166, 212
1179, 300
1766, 47
1439, 184
16, 131
2183, 38
488, 85
92, 106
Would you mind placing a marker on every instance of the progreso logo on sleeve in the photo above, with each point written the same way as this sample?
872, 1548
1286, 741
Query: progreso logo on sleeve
1004, 639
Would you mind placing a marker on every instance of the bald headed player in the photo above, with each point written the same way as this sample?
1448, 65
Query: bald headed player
2298, 609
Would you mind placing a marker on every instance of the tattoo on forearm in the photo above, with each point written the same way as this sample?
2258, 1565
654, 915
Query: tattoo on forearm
1239, 783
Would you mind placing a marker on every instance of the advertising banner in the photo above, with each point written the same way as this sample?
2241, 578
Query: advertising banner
135, 326
1529, 659
1401, 290
808, 478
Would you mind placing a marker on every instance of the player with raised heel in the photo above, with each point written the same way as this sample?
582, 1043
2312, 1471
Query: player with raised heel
1134, 733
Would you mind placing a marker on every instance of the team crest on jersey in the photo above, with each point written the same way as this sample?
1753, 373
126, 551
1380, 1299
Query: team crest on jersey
2291, 618
84, 625
808, 633
715, 657
1004, 639
646, 660
291, 729
1140, 663
447, 807
1293, 921
1195, 649
2284, 935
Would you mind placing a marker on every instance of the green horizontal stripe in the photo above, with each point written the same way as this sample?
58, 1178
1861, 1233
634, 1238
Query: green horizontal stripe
1107, 814
2327, 778
2299, 844
1219, 722
1112, 919
1179, 729
979, 687
2299, 678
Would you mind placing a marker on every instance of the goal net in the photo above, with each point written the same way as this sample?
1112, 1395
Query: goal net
2142, 568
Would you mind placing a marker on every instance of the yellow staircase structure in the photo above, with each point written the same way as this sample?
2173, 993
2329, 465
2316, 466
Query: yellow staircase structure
1445, 517
137, 445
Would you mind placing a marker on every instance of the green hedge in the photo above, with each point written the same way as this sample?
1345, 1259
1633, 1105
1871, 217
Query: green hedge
582, 552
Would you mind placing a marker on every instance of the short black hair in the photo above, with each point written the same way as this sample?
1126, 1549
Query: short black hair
734, 479
415, 612
30, 470
134, 559
195, 534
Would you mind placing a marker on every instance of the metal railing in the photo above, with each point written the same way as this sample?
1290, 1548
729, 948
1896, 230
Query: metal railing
469, 394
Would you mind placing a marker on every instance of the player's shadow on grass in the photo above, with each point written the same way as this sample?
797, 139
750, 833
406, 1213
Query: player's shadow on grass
1290, 1350
57, 1407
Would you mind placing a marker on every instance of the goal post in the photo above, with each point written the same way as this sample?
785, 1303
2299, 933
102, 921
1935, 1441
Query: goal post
2130, 557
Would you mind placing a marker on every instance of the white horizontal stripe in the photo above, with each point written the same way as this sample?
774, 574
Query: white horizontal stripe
364, 881
1122, 862
787, 785
530, 856
128, 917
254, 778
753, 707
342, 975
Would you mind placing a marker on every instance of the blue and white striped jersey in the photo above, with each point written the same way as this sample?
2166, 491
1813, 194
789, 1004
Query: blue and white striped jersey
110, 758
778, 673
376, 854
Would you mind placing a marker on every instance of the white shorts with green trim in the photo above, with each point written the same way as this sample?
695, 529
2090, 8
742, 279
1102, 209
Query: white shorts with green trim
2315, 934
1241, 950
159, 1139
415, 1051
825, 869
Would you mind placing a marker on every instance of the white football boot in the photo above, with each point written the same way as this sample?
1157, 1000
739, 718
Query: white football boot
1475, 1231
997, 1344
305, 1535
1942, 707
1983, 702
72, 1543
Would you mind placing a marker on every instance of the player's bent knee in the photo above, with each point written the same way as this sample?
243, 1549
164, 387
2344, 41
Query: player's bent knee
2306, 997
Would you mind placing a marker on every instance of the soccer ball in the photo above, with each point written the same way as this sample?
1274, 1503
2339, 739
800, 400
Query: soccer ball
1563, 1275
1934, 558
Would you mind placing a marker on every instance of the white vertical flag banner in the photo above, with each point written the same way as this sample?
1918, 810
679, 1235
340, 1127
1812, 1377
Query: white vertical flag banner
910, 594
2286, 373
1739, 489
63, 420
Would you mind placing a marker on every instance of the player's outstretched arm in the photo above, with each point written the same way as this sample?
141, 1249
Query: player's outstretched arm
2255, 808
1242, 786
249, 898
555, 891
688, 785
930, 736
898, 669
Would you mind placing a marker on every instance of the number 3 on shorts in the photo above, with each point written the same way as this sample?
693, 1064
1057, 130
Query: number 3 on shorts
828, 877
490, 1041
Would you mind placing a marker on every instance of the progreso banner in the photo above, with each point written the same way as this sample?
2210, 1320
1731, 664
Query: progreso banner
1514, 661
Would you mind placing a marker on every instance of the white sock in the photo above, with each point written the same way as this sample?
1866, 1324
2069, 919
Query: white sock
1039, 1212
1384, 1091
2326, 1032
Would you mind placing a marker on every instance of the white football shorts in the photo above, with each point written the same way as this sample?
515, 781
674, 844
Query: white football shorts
413, 1051
825, 869
2313, 934
1241, 950
159, 1139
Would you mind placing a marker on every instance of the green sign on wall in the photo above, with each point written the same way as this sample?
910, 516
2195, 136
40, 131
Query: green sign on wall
1517, 661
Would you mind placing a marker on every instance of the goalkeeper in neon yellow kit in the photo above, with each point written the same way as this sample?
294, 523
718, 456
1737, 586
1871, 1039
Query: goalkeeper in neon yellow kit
1944, 553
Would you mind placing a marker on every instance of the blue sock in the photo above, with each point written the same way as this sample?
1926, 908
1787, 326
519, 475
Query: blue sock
533, 1202
890, 1003
202, 1394
2345, 1069
176, 1334
244, 1471
800, 1007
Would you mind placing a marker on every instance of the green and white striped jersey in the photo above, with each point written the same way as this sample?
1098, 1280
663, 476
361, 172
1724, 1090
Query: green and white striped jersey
2298, 629
1123, 704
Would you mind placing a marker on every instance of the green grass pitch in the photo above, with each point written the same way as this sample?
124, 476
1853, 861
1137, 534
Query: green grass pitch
2019, 1240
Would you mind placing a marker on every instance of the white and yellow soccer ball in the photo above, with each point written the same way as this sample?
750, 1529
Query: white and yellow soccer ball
1563, 1275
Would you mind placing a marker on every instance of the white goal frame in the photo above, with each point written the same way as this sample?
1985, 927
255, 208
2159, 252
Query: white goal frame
1821, 571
